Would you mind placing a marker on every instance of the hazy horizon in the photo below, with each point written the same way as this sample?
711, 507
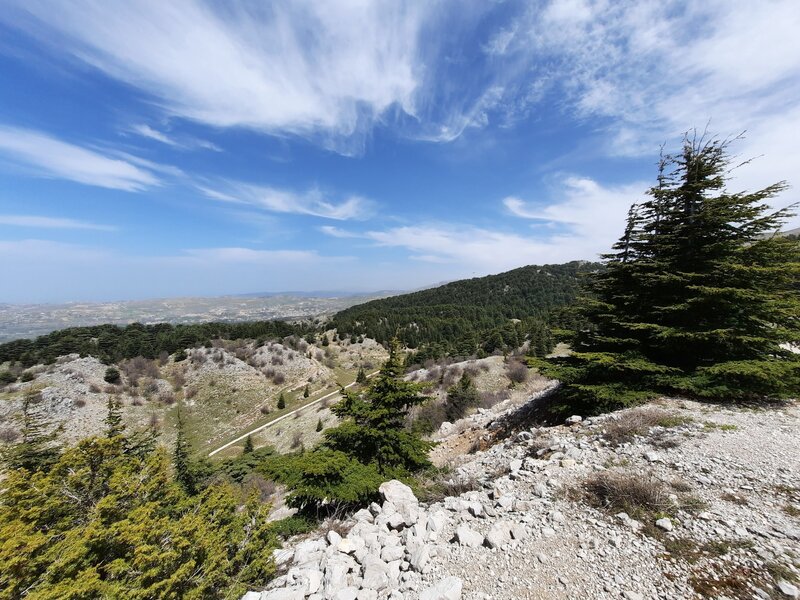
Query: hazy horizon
192, 149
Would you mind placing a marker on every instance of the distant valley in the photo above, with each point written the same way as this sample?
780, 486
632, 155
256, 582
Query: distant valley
31, 320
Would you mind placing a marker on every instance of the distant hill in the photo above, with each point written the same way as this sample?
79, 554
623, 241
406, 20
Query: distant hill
471, 313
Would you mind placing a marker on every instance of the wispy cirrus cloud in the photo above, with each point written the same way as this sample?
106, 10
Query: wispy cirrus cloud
34, 221
47, 156
313, 202
181, 142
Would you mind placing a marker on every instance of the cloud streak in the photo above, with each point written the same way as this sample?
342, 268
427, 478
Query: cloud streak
313, 202
47, 156
51, 223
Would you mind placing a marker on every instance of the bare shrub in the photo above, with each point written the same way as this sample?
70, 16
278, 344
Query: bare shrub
112, 389
163, 358
291, 356
489, 399
153, 422
269, 372
178, 380
139, 367
632, 493
516, 371
297, 440
136, 401
638, 422
279, 379
167, 398
319, 355
94, 388
9, 435
444, 484
79, 403
190, 393
276, 360
265, 410
198, 357
255, 482
471, 370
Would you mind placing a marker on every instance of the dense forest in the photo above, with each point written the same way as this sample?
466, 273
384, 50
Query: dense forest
462, 318
112, 343
473, 315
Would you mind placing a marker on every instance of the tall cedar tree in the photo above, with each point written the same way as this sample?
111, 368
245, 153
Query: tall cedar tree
37, 450
699, 296
181, 459
373, 429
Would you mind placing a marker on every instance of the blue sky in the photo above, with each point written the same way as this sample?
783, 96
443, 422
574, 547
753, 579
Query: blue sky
152, 149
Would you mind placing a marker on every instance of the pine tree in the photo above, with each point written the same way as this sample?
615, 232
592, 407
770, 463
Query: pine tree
181, 459
114, 424
281, 402
361, 378
319, 425
306, 392
248, 445
36, 451
373, 429
460, 397
699, 296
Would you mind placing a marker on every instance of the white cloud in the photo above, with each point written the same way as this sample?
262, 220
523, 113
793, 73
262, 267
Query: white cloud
184, 142
304, 67
310, 202
51, 223
337, 232
50, 157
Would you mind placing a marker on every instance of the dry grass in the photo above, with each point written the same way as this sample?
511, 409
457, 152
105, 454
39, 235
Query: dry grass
638, 422
441, 484
629, 492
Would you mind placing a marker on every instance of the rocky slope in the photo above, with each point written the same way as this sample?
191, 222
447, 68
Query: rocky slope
673, 500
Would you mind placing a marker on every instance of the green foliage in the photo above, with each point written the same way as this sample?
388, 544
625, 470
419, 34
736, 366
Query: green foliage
319, 425
7, 377
112, 376
361, 378
181, 459
112, 343
180, 355
697, 298
248, 445
373, 427
306, 392
461, 397
36, 450
103, 523
465, 317
281, 402
113, 420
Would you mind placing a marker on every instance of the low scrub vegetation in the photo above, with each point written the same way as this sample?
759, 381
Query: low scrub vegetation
626, 426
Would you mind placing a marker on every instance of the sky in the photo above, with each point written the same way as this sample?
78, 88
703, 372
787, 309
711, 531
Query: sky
187, 148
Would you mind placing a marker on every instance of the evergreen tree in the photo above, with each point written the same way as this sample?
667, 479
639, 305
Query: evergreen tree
248, 445
319, 425
460, 397
181, 459
699, 296
306, 392
361, 378
114, 424
373, 427
281, 402
112, 376
36, 451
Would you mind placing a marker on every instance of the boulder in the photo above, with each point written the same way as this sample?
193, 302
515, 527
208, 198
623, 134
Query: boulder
376, 573
287, 593
403, 499
448, 588
499, 535
468, 537
573, 420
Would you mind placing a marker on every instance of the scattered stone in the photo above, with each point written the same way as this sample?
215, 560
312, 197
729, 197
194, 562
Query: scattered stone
468, 537
787, 589
573, 420
664, 524
448, 588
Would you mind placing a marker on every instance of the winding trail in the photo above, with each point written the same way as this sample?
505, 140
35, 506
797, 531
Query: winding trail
282, 417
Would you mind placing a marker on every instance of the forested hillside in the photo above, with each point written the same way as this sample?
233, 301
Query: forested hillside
465, 316
112, 343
